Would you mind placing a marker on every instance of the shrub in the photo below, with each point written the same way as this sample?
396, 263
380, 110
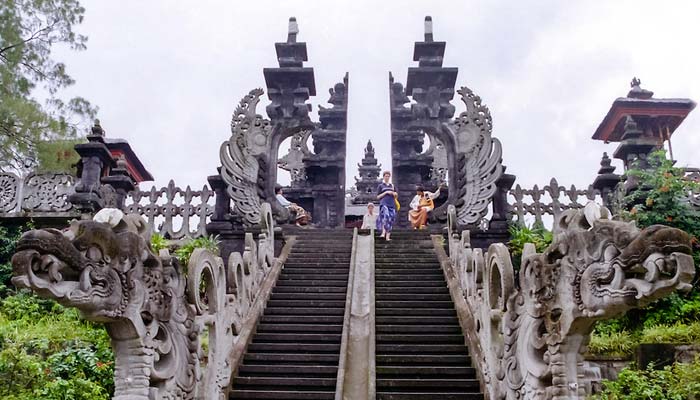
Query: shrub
46, 348
676, 334
158, 242
183, 253
674, 382
520, 234
612, 343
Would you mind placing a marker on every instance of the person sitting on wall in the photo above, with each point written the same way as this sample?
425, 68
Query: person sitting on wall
369, 220
302, 217
421, 204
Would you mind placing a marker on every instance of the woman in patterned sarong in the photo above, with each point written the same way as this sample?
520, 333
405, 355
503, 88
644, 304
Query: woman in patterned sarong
421, 204
386, 194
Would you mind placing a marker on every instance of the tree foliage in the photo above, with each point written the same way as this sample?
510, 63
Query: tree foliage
31, 80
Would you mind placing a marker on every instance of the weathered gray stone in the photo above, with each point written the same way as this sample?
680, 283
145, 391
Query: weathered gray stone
531, 334
154, 314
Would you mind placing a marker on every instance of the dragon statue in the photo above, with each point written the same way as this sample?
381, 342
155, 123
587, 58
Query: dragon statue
530, 334
155, 311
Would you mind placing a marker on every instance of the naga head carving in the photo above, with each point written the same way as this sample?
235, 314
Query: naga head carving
599, 268
88, 266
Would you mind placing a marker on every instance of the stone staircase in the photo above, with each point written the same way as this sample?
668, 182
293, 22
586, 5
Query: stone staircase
294, 353
420, 350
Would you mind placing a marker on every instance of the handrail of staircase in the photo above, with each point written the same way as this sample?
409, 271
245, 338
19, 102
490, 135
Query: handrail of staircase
156, 310
529, 328
357, 364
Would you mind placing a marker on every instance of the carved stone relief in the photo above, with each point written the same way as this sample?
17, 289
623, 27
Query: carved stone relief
532, 332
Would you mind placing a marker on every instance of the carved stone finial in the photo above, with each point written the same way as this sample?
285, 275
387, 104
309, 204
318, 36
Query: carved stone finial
369, 150
635, 82
97, 134
293, 30
428, 28
605, 161
637, 91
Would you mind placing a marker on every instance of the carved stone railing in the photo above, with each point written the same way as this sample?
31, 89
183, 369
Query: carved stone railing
36, 193
163, 208
528, 334
552, 199
155, 311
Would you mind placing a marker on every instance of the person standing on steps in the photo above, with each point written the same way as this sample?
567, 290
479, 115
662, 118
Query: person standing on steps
369, 220
387, 196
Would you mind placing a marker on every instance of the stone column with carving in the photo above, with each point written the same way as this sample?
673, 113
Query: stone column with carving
95, 162
431, 86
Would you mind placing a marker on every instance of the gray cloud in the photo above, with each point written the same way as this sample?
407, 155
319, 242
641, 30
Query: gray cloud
167, 75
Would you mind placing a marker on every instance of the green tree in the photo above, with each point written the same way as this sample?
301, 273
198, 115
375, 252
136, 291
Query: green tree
31, 80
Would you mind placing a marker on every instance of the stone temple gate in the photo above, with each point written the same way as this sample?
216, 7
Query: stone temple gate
325, 312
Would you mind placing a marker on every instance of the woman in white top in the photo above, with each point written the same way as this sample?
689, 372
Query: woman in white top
369, 221
421, 204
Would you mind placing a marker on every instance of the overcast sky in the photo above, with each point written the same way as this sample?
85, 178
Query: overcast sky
168, 74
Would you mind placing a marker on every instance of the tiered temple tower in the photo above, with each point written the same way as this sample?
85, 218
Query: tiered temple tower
318, 177
432, 87
641, 124
369, 170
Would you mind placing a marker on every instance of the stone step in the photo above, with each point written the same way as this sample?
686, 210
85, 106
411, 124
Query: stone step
336, 266
289, 370
420, 395
414, 304
407, 265
299, 328
313, 277
293, 347
413, 283
306, 289
408, 292
433, 329
415, 312
306, 303
308, 296
423, 383
419, 339
410, 277
304, 311
285, 383
420, 348
304, 319
298, 337
287, 270
414, 296
422, 359
423, 371
310, 284
382, 272
282, 395
404, 320
292, 358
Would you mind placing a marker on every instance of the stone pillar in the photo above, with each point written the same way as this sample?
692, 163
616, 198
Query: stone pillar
606, 181
95, 162
501, 209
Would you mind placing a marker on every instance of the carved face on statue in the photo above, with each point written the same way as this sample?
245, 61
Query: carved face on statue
87, 267
610, 267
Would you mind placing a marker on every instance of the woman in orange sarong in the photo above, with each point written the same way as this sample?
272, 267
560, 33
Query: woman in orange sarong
421, 204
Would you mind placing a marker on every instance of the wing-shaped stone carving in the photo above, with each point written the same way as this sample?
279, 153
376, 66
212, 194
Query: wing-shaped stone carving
477, 159
244, 158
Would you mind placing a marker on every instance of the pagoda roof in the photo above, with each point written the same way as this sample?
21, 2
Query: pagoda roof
647, 111
120, 147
